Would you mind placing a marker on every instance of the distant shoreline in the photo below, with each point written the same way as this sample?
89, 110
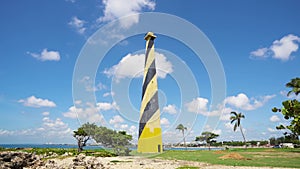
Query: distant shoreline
64, 146
90, 147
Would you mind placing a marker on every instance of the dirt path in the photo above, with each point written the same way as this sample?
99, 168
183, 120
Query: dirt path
146, 163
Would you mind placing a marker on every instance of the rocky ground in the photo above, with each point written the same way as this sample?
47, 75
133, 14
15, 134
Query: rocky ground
20, 160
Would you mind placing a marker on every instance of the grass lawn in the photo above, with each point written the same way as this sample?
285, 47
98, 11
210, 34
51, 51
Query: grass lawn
240, 157
61, 151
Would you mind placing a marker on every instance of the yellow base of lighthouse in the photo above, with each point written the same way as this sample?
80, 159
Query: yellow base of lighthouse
150, 135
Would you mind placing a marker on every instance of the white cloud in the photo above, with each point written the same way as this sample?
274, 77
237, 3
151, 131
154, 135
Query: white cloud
226, 113
209, 128
200, 106
107, 106
217, 131
5, 132
32, 101
46, 55
164, 121
49, 129
124, 126
132, 130
72, 1
272, 130
77, 102
285, 46
291, 96
132, 66
116, 121
57, 124
90, 113
197, 105
108, 94
261, 53
46, 113
89, 84
280, 49
114, 9
228, 125
241, 101
274, 118
78, 24
171, 109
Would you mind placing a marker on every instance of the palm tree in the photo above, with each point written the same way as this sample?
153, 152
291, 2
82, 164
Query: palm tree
236, 117
295, 85
181, 128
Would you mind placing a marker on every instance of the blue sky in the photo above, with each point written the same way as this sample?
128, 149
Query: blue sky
42, 43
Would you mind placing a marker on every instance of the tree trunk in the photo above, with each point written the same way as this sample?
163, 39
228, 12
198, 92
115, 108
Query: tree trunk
79, 146
184, 140
243, 136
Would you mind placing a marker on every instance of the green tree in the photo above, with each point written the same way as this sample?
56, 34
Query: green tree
181, 128
83, 134
291, 110
119, 141
208, 137
236, 119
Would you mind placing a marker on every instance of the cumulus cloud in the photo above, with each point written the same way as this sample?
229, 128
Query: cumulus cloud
116, 120
280, 49
77, 24
164, 121
88, 83
228, 125
272, 130
46, 55
72, 1
197, 105
132, 130
226, 113
124, 126
132, 66
285, 46
32, 101
114, 9
217, 131
107, 106
53, 124
274, 118
90, 113
200, 106
291, 96
171, 109
46, 113
108, 94
4, 132
261, 53
242, 101
50, 128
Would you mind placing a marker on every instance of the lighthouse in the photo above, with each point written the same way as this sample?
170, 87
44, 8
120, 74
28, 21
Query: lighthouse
150, 134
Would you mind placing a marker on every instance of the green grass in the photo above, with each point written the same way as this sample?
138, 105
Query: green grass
61, 151
187, 167
250, 157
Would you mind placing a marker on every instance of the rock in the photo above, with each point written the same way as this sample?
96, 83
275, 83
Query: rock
16, 160
23, 160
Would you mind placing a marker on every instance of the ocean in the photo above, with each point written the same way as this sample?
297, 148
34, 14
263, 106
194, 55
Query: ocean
90, 147
64, 146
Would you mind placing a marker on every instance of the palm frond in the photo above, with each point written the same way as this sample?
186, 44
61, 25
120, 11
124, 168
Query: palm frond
235, 126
